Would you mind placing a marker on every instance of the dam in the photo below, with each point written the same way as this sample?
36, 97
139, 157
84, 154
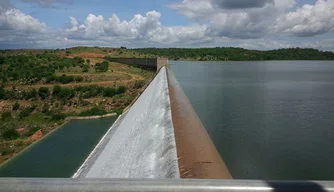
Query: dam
158, 144
160, 136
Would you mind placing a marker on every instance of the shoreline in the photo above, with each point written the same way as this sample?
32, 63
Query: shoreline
89, 117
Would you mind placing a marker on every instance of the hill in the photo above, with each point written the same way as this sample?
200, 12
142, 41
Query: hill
40, 88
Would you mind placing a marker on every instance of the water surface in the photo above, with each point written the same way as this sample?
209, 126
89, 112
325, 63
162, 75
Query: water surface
61, 152
269, 119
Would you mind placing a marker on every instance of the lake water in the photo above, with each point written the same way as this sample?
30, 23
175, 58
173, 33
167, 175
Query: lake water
61, 152
268, 119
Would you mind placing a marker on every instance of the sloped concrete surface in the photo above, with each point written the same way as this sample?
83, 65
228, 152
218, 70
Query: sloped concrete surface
141, 144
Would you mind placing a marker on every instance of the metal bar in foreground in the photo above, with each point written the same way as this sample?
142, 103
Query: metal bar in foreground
182, 185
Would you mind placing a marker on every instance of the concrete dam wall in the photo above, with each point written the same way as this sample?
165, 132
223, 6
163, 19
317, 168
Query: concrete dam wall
146, 63
160, 136
141, 144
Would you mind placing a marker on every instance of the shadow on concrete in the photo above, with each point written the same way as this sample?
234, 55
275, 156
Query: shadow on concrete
296, 186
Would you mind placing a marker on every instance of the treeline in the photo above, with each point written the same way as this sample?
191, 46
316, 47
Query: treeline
32, 68
238, 54
59, 92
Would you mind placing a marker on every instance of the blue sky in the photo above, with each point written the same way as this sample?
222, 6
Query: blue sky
58, 16
253, 24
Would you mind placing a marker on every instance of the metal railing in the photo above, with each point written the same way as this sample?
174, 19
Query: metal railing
182, 185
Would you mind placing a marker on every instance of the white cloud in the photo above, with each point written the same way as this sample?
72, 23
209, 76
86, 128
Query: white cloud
308, 20
147, 28
14, 19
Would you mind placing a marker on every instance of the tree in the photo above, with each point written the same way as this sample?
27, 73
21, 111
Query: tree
6, 115
78, 79
43, 92
64, 79
85, 68
11, 134
102, 67
2, 93
27, 111
88, 61
16, 106
121, 89
30, 94
66, 93
109, 92
56, 90
79, 60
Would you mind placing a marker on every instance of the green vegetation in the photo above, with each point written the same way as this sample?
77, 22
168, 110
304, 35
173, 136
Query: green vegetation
10, 134
237, 54
6, 115
40, 88
138, 84
43, 92
16, 106
31, 69
59, 92
102, 67
94, 111
27, 111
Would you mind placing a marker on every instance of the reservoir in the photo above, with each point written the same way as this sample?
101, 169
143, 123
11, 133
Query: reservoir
60, 153
268, 119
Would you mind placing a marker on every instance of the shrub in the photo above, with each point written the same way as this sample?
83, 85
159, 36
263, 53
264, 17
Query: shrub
66, 93
138, 84
11, 134
2, 93
56, 90
109, 92
78, 60
43, 92
85, 68
78, 79
45, 109
58, 116
121, 89
102, 67
32, 94
93, 111
64, 79
27, 111
6, 115
16, 106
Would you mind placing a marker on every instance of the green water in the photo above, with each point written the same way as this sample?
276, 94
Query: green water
268, 119
60, 153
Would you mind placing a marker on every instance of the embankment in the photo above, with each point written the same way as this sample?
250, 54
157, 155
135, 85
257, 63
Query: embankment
89, 117
142, 143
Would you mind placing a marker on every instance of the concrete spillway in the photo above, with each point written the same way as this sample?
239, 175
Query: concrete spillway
160, 136
141, 143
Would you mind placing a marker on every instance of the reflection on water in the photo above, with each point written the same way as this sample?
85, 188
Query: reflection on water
268, 120
61, 153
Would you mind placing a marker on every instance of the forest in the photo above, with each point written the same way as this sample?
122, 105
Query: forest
237, 54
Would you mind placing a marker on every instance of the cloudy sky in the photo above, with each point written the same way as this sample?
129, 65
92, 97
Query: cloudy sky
253, 24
